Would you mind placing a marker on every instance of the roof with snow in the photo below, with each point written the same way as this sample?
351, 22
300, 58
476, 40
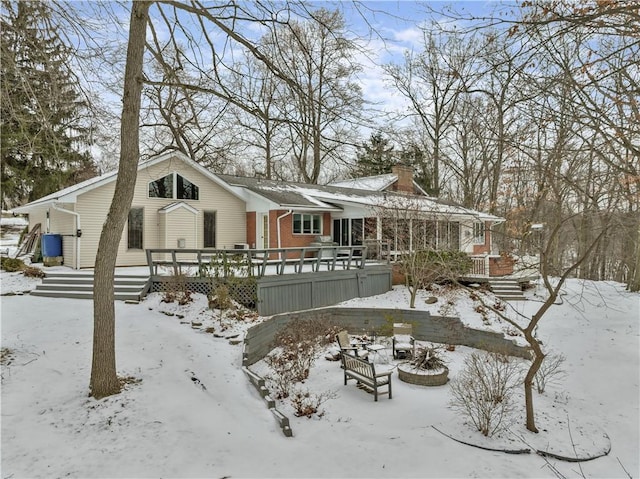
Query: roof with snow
332, 197
371, 183
367, 193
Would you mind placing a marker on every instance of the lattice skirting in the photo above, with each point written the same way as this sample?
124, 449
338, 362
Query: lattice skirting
244, 291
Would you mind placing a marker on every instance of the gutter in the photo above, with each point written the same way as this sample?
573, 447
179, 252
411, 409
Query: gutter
78, 231
278, 224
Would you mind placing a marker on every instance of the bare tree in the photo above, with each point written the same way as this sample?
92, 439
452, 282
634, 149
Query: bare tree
433, 81
323, 108
195, 24
104, 379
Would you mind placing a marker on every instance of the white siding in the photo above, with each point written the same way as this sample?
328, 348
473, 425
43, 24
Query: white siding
94, 205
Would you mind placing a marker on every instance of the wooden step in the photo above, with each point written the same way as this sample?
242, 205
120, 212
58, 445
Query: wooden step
79, 285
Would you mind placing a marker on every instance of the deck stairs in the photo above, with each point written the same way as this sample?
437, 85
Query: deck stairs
507, 289
79, 285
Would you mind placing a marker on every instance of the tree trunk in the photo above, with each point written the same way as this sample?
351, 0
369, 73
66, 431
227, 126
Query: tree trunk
634, 280
104, 380
528, 380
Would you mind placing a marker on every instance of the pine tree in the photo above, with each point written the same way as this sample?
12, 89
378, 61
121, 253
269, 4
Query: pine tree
41, 109
375, 157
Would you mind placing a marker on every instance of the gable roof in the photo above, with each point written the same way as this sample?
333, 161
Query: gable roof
71, 193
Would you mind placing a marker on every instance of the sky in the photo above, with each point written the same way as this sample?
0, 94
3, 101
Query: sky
386, 29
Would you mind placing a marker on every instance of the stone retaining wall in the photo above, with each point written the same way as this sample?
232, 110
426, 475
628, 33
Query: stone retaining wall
426, 327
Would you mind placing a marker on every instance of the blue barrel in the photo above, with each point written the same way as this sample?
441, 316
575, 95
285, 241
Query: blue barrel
51, 245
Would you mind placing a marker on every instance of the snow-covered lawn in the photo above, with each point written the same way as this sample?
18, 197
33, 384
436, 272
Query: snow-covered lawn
194, 414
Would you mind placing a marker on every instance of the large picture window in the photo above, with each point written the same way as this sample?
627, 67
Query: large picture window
307, 224
173, 186
209, 240
135, 228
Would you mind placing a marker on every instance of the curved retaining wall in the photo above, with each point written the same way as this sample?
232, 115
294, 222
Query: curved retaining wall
426, 327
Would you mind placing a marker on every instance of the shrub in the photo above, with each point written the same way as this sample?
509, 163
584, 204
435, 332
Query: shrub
550, 371
33, 272
483, 391
220, 298
296, 348
11, 265
307, 404
177, 289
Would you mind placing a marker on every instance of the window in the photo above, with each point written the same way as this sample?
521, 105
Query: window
209, 240
135, 228
307, 224
356, 231
164, 188
478, 232
449, 235
186, 190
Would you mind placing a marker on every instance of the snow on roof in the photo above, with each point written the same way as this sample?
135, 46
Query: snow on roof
369, 183
331, 197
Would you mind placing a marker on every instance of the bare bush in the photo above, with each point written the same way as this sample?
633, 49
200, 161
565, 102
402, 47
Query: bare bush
551, 371
297, 347
307, 404
483, 390
220, 297
177, 290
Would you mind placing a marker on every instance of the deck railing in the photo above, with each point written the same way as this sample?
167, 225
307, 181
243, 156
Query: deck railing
480, 266
253, 262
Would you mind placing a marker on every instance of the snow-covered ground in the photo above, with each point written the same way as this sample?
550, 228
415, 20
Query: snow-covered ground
194, 413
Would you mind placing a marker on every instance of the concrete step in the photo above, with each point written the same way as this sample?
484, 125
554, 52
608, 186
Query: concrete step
507, 289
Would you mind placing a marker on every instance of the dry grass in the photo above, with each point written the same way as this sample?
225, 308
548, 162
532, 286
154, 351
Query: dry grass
6, 356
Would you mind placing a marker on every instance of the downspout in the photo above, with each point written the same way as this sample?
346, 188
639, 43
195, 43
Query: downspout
278, 225
76, 235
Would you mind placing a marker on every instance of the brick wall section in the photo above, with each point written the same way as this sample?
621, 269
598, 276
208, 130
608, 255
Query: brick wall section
501, 266
251, 228
440, 329
287, 238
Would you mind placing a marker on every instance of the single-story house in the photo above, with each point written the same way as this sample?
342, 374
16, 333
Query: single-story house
180, 204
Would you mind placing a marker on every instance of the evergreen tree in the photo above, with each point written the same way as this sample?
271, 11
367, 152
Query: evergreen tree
41, 107
375, 157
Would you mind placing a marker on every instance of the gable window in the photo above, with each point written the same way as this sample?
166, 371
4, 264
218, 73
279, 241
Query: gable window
307, 224
173, 186
135, 228
209, 240
478, 232
186, 190
162, 188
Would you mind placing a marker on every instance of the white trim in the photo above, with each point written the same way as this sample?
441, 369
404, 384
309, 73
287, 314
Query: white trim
174, 206
77, 239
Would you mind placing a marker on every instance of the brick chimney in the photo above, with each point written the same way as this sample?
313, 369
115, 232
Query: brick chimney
405, 178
